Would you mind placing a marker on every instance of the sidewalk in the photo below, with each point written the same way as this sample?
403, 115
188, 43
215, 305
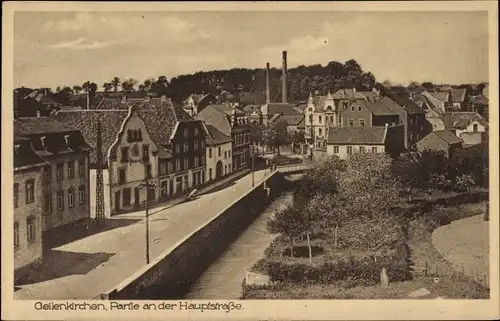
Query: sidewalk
90, 266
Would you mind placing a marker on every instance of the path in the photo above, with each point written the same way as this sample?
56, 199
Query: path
223, 279
465, 241
90, 266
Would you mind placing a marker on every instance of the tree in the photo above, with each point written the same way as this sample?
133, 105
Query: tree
256, 132
86, 86
464, 181
434, 170
107, 86
275, 135
367, 187
115, 83
297, 138
129, 84
328, 212
428, 86
407, 169
77, 88
289, 222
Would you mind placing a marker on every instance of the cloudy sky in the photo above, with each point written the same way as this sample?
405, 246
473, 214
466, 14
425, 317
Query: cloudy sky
67, 48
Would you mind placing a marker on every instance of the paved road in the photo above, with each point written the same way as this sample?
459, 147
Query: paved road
93, 265
465, 241
223, 279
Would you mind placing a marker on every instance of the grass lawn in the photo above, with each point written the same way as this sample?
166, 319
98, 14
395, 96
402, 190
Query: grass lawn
451, 285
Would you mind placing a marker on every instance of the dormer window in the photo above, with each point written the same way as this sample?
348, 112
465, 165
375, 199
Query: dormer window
359, 108
352, 108
310, 109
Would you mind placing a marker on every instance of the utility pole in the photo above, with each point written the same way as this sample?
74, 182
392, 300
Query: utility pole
145, 184
253, 165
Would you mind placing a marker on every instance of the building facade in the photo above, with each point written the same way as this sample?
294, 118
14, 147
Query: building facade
28, 202
65, 176
218, 154
441, 140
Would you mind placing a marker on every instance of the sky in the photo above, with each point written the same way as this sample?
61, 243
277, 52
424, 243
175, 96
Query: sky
69, 48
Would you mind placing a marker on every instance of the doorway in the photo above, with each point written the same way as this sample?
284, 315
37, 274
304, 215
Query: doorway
117, 201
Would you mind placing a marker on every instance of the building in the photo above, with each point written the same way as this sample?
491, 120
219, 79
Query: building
149, 138
486, 91
218, 153
343, 141
468, 126
28, 203
441, 140
233, 122
65, 177
479, 104
196, 102
459, 99
413, 118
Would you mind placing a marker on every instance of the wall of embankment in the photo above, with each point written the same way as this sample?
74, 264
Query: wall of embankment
171, 274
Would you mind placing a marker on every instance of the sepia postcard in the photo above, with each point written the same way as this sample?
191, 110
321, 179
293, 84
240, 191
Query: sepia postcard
250, 160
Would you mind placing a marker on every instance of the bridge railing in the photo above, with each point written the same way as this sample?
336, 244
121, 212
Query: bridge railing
293, 168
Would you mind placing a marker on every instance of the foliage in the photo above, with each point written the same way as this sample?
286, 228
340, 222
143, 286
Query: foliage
275, 135
298, 137
256, 132
464, 181
473, 160
287, 221
408, 169
128, 85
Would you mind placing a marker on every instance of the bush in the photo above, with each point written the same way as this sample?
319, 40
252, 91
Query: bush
285, 160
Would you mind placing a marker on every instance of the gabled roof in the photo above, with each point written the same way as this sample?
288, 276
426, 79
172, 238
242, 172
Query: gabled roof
24, 155
292, 120
460, 120
448, 136
369, 94
41, 125
442, 96
432, 102
216, 117
274, 117
282, 108
215, 136
347, 93
409, 105
357, 135
86, 121
479, 100
228, 110
458, 95
384, 106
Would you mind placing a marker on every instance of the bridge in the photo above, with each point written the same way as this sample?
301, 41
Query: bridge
293, 168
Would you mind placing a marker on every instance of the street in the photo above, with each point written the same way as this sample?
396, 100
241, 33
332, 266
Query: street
90, 266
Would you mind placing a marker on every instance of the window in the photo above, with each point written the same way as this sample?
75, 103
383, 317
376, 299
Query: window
163, 169
81, 168
351, 122
177, 148
310, 119
320, 131
229, 153
209, 173
47, 203
124, 154
319, 119
177, 165
362, 149
352, 107
16, 235
60, 172
411, 120
475, 128
47, 174
340, 120
134, 135
374, 149
30, 191
225, 154
196, 161
81, 191
195, 145
186, 132
349, 149
359, 108
185, 148
127, 192
220, 152
335, 149
16, 195
145, 152
169, 167
202, 159
163, 188
30, 224
411, 136
60, 200
196, 131
71, 169
71, 198
202, 144
210, 153
186, 163
147, 170
122, 176
362, 122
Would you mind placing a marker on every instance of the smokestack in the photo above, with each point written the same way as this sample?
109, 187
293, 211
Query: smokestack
268, 89
283, 80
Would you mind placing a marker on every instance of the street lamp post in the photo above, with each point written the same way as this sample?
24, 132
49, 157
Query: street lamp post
147, 185
253, 165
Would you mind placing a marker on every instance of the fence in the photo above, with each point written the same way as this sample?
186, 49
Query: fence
434, 269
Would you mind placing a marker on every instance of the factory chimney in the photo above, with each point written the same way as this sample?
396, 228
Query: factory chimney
268, 89
283, 80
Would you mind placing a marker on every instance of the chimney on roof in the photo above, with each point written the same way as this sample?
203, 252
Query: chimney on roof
283, 80
268, 89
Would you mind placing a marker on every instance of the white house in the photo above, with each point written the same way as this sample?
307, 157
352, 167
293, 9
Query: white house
218, 151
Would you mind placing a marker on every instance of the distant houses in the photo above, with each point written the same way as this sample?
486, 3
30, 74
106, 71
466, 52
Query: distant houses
441, 140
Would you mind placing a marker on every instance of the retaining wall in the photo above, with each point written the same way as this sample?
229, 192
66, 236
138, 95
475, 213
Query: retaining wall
171, 274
